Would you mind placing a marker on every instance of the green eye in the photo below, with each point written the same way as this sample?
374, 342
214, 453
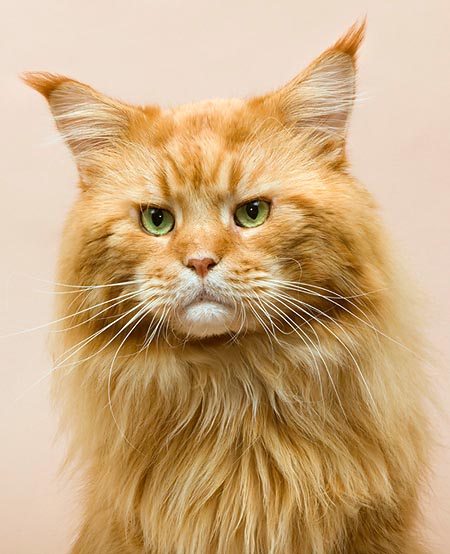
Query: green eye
252, 214
157, 221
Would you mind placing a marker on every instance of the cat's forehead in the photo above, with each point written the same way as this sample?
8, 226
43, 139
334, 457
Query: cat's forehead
195, 168
204, 150
214, 113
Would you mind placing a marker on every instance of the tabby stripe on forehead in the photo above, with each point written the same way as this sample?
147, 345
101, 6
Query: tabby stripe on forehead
222, 169
235, 174
173, 172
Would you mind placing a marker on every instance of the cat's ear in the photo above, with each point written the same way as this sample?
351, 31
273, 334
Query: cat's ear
87, 120
320, 99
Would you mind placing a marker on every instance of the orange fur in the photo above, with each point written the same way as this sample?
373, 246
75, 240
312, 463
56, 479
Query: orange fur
295, 423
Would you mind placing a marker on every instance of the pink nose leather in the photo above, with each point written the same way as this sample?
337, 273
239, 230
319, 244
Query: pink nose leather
201, 266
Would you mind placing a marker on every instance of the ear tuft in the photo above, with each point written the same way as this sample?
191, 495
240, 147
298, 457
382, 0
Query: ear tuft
351, 41
43, 82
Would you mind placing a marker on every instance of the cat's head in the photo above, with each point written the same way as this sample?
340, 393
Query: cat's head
214, 216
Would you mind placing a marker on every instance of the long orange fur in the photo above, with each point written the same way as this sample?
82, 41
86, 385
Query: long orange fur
299, 428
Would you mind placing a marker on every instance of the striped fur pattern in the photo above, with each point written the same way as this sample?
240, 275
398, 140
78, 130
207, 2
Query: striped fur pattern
285, 417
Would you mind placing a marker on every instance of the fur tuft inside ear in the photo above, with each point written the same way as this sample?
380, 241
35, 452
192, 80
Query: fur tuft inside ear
87, 120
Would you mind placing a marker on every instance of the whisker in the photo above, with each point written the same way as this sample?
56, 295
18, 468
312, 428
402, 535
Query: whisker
368, 323
139, 316
333, 293
62, 362
120, 300
241, 318
266, 313
86, 287
295, 261
79, 346
49, 324
296, 302
297, 329
156, 331
264, 326
331, 299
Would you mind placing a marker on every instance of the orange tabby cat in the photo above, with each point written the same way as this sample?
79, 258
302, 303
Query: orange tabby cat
236, 367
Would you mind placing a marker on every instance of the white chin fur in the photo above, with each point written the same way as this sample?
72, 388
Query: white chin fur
205, 319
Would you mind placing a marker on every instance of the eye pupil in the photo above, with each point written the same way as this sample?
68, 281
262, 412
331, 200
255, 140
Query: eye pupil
252, 209
157, 216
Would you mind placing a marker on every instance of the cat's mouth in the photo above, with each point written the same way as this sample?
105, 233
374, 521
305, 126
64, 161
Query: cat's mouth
205, 297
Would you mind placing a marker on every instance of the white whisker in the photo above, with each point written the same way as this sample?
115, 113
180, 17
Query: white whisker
70, 316
350, 353
304, 335
139, 317
332, 300
79, 346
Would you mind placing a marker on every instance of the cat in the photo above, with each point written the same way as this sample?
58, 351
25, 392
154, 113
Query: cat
238, 366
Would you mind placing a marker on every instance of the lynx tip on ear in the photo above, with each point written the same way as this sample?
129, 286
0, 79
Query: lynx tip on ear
43, 82
351, 41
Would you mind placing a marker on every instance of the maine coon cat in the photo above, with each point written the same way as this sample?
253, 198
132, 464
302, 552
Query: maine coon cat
237, 366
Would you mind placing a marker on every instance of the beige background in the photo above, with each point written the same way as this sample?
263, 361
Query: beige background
170, 52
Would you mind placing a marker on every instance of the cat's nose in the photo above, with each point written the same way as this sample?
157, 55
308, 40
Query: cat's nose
201, 265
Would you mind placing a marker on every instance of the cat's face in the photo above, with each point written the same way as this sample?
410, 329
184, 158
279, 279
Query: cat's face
210, 213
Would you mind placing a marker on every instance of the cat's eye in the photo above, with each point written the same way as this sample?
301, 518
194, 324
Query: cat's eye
157, 221
252, 213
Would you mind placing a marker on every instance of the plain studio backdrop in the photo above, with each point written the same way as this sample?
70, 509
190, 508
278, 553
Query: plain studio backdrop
170, 52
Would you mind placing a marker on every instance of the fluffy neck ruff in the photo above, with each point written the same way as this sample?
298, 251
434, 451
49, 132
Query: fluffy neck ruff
250, 446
